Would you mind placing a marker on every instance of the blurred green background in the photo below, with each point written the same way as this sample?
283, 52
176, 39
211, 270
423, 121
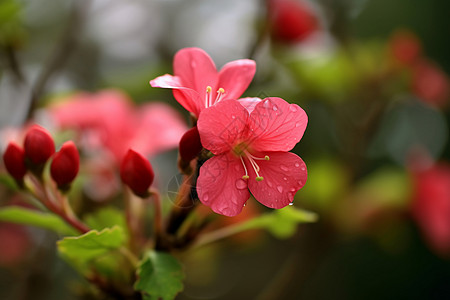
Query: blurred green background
371, 137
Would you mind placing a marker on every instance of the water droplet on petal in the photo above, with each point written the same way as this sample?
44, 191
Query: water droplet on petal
280, 188
205, 197
266, 103
233, 117
292, 203
241, 184
297, 165
275, 108
303, 168
285, 178
284, 168
245, 204
297, 124
300, 182
292, 189
292, 108
269, 183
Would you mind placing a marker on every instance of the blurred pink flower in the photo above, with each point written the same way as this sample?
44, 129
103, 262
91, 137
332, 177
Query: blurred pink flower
108, 120
431, 206
291, 21
430, 83
251, 154
197, 84
405, 47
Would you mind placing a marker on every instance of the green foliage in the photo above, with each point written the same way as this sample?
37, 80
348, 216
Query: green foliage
82, 250
282, 223
160, 276
25, 216
106, 217
11, 29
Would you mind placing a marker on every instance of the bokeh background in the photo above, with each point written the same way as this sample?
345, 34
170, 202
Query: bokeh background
372, 76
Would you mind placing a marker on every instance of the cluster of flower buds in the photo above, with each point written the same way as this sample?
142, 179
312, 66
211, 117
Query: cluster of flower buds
38, 149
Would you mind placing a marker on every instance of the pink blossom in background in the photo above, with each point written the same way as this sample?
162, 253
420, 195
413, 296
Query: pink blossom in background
291, 21
251, 154
405, 47
197, 84
431, 206
109, 120
430, 83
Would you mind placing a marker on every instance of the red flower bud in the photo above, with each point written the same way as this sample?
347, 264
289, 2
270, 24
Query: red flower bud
65, 165
291, 21
137, 173
14, 158
405, 47
39, 145
190, 144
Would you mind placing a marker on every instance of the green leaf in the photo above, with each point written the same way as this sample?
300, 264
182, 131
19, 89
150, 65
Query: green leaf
106, 217
160, 276
25, 216
93, 244
282, 223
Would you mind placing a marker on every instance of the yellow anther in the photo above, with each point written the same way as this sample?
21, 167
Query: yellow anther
266, 157
245, 177
221, 90
259, 178
208, 89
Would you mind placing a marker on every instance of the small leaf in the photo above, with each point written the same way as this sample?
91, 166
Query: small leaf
16, 214
106, 217
160, 276
84, 248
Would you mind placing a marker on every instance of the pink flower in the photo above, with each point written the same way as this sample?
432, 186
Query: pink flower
430, 83
196, 83
108, 120
291, 21
250, 145
431, 206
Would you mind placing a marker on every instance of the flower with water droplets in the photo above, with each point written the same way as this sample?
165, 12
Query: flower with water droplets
250, 139
197, 84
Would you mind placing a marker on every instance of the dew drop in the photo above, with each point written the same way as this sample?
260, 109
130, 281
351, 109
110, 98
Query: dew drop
266, 104
241, 184
269, 183
292, 203
303, 168
297, 124
233, 117
297, 165
292, 189
205, 197
285, 178
245, 204
275, 108
300, 182
284, 168
280, 188
292, 108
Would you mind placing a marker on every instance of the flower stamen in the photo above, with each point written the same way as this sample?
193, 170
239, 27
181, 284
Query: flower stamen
245, 168
256, 168
208, 96
220, 94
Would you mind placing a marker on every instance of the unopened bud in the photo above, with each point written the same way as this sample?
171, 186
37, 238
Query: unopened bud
137, 173
14, 159
65, 165
190, 144
39, 146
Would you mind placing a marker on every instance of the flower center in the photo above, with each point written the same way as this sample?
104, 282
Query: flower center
209, 101
252, 159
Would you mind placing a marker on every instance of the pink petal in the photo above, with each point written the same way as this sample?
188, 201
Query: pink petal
220, 185
249, 103
223, 125
159, 128
195, 69
235, 77
189, 98
284, 174
277, 125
